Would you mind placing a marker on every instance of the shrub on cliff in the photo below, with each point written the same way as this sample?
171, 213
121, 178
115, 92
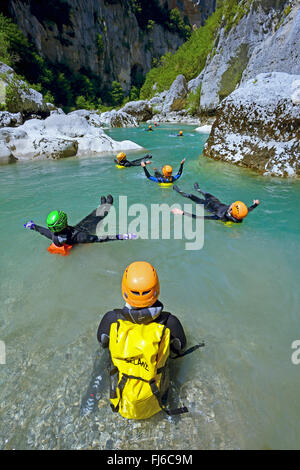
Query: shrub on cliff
191, 57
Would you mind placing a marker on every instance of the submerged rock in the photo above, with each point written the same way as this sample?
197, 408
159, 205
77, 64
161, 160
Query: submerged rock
258, 125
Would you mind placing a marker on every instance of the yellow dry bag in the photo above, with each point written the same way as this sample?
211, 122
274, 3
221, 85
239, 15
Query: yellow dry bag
139, 354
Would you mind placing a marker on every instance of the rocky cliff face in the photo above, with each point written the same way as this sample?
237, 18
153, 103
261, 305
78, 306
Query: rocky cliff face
265, 39
102, 37
196, 11
258, 125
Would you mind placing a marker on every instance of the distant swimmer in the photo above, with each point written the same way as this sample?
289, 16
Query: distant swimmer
234, 212
166, 176
122, 161
64, 236
149, 129
180, 134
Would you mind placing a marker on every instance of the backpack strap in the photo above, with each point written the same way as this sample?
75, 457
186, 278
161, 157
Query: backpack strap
188, 351
121, 387
156, 393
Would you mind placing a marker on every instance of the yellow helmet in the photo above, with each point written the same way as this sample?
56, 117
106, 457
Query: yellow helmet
167, 171
239, 210
121, 156
140, 285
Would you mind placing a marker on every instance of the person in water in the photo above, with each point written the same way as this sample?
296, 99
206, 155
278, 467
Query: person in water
61, 233
140, 290
180, 134
149, 129
166, 176
121, 160
234, 212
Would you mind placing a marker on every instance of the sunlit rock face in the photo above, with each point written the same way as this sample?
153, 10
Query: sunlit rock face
258, 126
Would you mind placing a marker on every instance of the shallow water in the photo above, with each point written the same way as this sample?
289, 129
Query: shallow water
240, 294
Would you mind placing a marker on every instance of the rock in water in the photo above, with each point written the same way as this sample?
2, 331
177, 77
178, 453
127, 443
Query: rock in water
140, 110
60, 136
5, 154
258, 125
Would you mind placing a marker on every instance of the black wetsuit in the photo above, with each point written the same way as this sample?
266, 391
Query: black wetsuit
84, 231
212, 204
136, 162
159, 178
178, 339
70, 236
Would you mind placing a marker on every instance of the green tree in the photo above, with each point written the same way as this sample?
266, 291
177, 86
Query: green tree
134, 94
117, 93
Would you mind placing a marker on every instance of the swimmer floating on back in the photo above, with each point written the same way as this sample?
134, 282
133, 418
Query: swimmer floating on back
121, 160
166, 176
64, 236
234, 212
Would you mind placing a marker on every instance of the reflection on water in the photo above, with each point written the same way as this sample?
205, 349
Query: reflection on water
239, 293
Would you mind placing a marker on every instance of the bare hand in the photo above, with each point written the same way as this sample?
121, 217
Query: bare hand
256, 201
143, 164
182, 161
177, 211
148, 162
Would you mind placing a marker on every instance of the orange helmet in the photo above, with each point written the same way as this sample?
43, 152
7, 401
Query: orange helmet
239, 210
180, 133
121, 156
167, 171
140, 285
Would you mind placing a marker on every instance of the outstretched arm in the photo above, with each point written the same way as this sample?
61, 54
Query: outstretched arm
42, 230
194, 216
176, 177
255, 204
152, 178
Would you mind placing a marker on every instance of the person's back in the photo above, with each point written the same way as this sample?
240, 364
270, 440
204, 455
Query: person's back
136, 336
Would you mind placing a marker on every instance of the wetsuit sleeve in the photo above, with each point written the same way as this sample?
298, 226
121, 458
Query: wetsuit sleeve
104, 327
84, 237
176, 177
138, 161
43, 231
207, 217
178, 338
252, 207
152, 178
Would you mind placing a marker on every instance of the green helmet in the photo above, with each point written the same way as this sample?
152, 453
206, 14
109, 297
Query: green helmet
57, 221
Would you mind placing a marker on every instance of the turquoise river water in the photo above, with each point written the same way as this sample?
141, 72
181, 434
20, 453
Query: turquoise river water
239, 293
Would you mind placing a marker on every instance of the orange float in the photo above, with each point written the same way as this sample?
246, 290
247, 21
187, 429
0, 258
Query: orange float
59, 250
